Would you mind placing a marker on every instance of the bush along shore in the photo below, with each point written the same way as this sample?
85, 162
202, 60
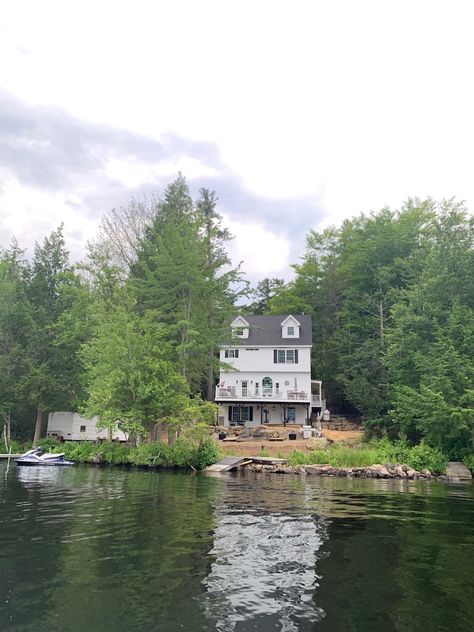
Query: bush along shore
191, 453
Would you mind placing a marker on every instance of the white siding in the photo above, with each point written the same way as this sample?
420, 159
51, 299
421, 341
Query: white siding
68, 425
261, 359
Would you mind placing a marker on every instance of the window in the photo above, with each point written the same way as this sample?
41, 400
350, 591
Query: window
267, 386
290, 331
82, 429
231, 353
282, 356
291, 415
240, 413
238, 331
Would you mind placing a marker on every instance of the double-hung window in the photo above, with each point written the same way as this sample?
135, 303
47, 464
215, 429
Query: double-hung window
285, 356
231, 353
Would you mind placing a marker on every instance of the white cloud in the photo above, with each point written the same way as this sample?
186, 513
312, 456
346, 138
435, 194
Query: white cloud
355, 104
133, 172
263, 253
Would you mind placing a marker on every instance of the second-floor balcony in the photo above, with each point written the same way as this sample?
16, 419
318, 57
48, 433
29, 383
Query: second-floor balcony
269, 394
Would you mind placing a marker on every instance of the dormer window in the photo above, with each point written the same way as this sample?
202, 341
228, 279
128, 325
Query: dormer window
240, 328
290, 327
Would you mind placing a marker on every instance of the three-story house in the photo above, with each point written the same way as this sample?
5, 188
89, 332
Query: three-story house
266, 372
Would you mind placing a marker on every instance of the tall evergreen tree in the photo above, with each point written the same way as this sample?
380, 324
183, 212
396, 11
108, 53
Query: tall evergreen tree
50, 381
183, 274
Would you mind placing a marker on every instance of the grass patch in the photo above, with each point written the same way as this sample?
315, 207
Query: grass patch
382, 451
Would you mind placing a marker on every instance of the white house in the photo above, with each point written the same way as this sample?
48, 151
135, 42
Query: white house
73, 427
266, 372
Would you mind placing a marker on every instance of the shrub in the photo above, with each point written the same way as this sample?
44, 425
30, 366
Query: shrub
151, 454
469, 461
422, 457
48, 443
116, 453
194, 448
207, 454
299, 458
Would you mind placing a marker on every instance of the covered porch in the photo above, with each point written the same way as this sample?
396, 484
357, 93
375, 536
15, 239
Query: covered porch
261, 413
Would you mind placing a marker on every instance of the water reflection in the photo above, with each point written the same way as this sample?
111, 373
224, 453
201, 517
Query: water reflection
264, 574
33, 476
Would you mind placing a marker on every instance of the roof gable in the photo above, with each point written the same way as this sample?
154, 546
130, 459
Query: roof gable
239, 322
290, 319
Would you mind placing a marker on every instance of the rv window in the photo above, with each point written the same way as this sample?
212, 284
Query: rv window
83, 428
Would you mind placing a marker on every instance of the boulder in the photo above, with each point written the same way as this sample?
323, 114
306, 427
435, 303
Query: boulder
379, 471
399, 472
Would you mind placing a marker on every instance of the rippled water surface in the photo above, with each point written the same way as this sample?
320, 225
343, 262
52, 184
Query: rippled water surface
100, 549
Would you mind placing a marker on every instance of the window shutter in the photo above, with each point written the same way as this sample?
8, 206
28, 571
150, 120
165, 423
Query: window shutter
230, 413
250, 413
226, 353
236, 354
296, 356
275, 359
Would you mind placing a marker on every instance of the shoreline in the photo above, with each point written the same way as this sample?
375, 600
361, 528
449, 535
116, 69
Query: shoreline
379, 471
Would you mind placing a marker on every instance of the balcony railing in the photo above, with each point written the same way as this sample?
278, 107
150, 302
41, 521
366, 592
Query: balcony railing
230, 392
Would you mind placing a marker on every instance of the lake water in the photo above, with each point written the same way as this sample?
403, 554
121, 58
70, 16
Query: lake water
99, 549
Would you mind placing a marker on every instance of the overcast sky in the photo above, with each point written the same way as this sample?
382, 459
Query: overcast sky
298, 113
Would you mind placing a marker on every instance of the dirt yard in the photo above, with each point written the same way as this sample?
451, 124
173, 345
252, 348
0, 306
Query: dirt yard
254, 447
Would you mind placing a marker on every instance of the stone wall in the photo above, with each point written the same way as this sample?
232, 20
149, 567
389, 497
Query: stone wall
372, 471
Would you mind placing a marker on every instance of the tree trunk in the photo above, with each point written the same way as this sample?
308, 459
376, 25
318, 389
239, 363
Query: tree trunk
210, 376
39, 419
382, 329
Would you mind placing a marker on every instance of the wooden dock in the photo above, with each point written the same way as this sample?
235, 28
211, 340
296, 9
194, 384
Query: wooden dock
10, 456
234, 462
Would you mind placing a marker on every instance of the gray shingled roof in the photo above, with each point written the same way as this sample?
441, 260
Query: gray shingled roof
266, 330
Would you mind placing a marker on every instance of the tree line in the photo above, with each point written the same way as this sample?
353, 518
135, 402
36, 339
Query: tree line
391, 294
132, 332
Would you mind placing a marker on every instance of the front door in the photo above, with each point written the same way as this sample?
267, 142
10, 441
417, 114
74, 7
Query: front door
244, 388
267, 387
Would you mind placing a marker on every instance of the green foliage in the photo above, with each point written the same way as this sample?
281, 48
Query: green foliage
126, 374
48, 443
194, 449
150, 454
183, 275
422, 456
383, 451
469, 461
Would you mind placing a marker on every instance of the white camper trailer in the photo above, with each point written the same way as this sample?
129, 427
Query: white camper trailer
73, 427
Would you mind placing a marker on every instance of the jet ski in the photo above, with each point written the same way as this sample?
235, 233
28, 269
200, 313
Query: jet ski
37, 456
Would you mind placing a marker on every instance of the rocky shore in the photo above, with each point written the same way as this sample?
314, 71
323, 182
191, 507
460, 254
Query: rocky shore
371, 471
